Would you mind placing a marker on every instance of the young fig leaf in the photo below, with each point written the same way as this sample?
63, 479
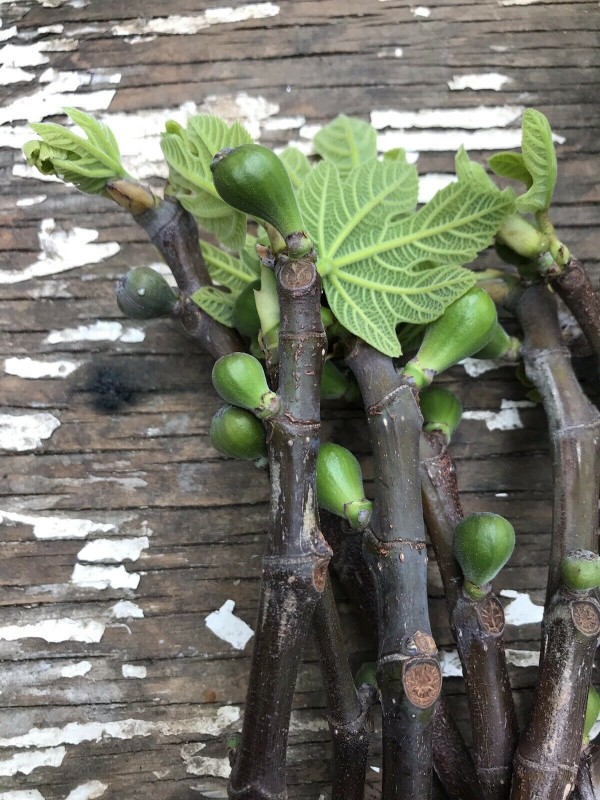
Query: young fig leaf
240, 380
216, 303
238, 433
234, 273
346, 143
441, 410
464, 328
510, 165
144, 294
297, 165
340, 487
472, 173
539, 158
580, 570
483, 543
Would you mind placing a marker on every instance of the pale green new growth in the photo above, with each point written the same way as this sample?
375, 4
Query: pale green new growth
472, 173
189, 153
86, 163
217, 304
380, 269
539, 158
510, 165
227, 270
297, 165
346, 142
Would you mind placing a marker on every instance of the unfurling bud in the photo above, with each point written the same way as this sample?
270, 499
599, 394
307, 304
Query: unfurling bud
464, 328
340, 486
441, 410
240, 380
238, 433
483, 543
144, 294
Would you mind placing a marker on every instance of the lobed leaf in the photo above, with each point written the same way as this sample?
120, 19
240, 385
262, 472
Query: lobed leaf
216, 303
189, 153
539, 158
346, 142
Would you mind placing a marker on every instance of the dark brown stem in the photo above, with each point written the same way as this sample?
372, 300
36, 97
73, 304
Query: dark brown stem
477, 625
575, 288
547, 758
574, 427
588, 776
296, 557
452, 761
408, 671
347, 711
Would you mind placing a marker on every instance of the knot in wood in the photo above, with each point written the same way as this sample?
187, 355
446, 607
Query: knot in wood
297, 273
422, 682
491, 615
586, 618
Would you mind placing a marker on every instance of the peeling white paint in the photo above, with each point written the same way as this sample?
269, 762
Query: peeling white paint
492, 81
522, 611
27, 794
507, 419
470, 118
22, 432
33, 369
133, 671
520, 2
203, 765
177, 24
25, 202
421, 11
114, 549
284, 123
87, 791
104, 577
100, 331
450, 664
224, 624
60, 251
76, 670
50, 100
57, 527
56, 630
303, 721
433, 182
25, 763
126, 609
523, 658
452, 668
474, 367
208, 724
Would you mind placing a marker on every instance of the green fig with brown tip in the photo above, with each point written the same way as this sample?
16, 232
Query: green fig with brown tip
441, 410
252, 179
238, 433
144, 294
340, 486
464, 328
580, 570
483, 543
239, 379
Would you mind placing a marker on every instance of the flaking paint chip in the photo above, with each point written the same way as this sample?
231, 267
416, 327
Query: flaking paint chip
224, 624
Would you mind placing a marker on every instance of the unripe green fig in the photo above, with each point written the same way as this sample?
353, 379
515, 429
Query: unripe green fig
337, 386
483, 543
252, 179
340, 486
591, 713
580, 570
501, 345
144, 294
366, 674
464, 328
441, 410
245, 315
240, 380
238, 433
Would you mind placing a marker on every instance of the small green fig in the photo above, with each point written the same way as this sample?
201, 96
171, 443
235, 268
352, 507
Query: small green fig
580, 570
501, 345
337, 386
591, 713
340, 486
483, 543
238, 433
245, 315
441, 410
464, 328
252, 179
366, 674
240, 380
144, 294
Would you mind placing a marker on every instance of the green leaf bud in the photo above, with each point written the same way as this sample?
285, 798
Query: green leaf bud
501, 345
464, 328
245, 315
591, 713
252, 179
580, 570
240, 380
521, 236
483, 543
238, 433
144, 294
441, 410
340, 486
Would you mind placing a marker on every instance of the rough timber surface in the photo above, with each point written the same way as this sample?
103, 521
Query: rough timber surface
111, 684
